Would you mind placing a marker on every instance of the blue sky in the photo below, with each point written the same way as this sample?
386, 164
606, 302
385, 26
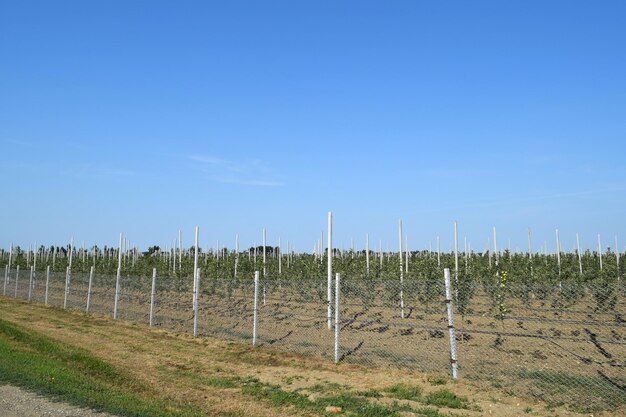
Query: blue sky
150, 117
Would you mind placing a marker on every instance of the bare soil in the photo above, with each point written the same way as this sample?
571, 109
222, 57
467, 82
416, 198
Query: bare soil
166, 360
16, 402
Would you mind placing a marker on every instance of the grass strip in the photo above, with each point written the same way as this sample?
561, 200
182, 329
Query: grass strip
348, 403
64, 372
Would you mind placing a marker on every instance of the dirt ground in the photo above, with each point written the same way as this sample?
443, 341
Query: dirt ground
158, 356
16, 402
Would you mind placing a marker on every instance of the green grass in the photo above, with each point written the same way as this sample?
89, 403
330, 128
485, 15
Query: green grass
217, 382
43, 365
349, 403
437, 380
325, 387
445, 398
440, 398
405, 392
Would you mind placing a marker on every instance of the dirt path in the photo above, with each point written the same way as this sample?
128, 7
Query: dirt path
16, 402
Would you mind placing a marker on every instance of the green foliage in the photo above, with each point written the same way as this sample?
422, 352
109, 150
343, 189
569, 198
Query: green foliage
501, 310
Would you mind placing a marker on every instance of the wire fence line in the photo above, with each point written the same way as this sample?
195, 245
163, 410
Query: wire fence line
561, 343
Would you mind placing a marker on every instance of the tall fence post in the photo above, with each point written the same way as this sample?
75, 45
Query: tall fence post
47, 283
6, 279
401, 270
451, 331
196, 303
30, 283
17, 277
195, 283
337, 307
255, 319
330, 268
117, 278
67, 286
89, 289
152, 293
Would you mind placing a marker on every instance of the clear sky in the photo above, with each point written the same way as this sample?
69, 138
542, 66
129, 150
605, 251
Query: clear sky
146, 117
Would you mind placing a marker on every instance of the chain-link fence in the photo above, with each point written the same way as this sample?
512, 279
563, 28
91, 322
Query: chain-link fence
564, 343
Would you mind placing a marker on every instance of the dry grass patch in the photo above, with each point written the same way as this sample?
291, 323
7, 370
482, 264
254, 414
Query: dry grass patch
234, 379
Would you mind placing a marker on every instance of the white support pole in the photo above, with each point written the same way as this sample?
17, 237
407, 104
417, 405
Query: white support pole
438, 252
180, 250
6, 279
89, 289
465, 253
451, 330
17, 277
67, 286
495, 246
617, 257
380, 253
321, 247
71, 252
530, 247
196, 303
47, 284
195, 257
30, 282
600, 251
337, 309
255, 317
580, 259
401, 269
264, 256
558, 251
280, 257
118, 277
10, 255
174, 256
195, 267
330, 269
367, 254
456, 255
152, 295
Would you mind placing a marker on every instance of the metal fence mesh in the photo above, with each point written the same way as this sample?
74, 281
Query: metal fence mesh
559, 342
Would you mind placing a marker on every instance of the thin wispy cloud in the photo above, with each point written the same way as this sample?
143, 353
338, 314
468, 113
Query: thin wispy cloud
249, 172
